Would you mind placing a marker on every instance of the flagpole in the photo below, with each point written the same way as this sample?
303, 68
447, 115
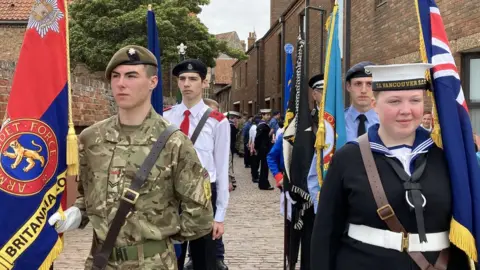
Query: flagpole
72, 140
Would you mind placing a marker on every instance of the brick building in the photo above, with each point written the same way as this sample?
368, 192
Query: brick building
258, 81
221, 75
387, 32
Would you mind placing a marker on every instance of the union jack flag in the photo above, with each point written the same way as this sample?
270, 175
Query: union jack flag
456, 131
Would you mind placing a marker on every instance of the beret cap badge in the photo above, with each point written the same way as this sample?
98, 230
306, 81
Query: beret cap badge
189, 67
133, 55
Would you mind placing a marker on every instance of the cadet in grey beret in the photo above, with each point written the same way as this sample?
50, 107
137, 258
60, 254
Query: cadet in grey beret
130, 55
358, 71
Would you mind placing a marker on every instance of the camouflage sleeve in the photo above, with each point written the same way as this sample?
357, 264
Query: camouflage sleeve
80, 201
192, 187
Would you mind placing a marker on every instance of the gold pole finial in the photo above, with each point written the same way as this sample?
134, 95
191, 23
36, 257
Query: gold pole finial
150, 7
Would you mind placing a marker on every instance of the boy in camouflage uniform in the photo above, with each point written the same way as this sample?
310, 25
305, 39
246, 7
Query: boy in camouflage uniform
111, 152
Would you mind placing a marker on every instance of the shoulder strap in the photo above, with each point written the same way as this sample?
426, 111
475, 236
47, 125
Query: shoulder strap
200, 125
385, 210
129, 198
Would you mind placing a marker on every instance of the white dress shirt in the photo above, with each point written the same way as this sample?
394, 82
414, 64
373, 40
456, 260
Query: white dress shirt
252, 133
212, 147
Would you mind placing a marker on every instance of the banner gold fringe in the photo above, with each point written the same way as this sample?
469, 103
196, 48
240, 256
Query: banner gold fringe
463, 238
52, 256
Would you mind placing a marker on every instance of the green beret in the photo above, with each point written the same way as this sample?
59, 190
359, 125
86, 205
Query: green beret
130, 55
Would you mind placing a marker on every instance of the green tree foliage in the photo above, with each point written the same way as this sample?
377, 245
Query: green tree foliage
100, 27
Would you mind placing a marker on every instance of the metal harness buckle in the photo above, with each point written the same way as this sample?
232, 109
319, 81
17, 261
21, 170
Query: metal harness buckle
390, 212
130, 196
121, 254
405, 242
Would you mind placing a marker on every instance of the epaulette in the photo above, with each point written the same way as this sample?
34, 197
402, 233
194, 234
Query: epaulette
168, 109
217, 115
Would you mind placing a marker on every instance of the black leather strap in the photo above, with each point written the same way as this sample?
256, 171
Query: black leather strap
200, 125
129, 198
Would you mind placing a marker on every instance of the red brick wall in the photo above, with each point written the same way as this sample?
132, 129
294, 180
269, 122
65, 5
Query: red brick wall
272, 77
277, 7
11, 38
273, 83
245, 90
389, 33
91, 97
270, 52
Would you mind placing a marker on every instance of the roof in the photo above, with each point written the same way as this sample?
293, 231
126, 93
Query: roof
15, 10
226, 36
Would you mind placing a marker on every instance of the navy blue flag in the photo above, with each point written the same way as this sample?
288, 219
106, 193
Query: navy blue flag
154, 47
456, 130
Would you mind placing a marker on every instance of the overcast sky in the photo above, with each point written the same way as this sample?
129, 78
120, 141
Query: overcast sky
242, 16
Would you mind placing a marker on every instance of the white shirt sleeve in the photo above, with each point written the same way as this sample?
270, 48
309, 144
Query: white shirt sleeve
221, 153
252, 134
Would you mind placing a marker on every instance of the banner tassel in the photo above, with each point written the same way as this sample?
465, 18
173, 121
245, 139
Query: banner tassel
72, 141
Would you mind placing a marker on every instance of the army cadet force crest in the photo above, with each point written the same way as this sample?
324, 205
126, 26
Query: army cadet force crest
29, 156
44, 17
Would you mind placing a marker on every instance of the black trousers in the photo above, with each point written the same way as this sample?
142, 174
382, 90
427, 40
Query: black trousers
304, 238
246, 155
263, 180
254, 164
203, 251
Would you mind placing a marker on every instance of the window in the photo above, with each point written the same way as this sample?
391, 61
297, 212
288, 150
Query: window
246, 73
302, 22
236, 79
471, 85
279, 63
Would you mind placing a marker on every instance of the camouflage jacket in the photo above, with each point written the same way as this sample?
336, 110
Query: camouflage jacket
108, 163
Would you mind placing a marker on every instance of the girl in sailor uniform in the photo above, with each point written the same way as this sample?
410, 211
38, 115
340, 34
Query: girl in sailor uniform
349, 233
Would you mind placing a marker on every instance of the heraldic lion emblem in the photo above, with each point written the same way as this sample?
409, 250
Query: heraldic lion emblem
20, 153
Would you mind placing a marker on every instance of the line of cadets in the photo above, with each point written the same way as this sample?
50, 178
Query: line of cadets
188, 204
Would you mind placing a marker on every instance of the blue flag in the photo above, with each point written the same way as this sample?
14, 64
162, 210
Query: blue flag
288, 75
154, 47
32, 186
334, 130
456, 130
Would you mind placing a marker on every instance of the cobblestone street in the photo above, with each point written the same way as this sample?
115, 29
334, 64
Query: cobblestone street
253, 230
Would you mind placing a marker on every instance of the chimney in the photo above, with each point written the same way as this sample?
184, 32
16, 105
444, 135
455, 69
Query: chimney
242, 43
252, 37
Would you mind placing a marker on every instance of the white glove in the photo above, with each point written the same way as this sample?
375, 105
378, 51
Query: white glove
290, 198
73, 218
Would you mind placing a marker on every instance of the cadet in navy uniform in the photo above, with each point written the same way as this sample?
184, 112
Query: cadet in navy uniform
414, 209
316, 84
213, 155
263, 143
360, 115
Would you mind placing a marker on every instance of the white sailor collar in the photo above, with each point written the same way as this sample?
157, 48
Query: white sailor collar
421, 144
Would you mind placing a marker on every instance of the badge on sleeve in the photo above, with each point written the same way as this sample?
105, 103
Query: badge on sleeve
206, 187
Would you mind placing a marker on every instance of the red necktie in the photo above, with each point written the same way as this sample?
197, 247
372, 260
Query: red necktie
184, 126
